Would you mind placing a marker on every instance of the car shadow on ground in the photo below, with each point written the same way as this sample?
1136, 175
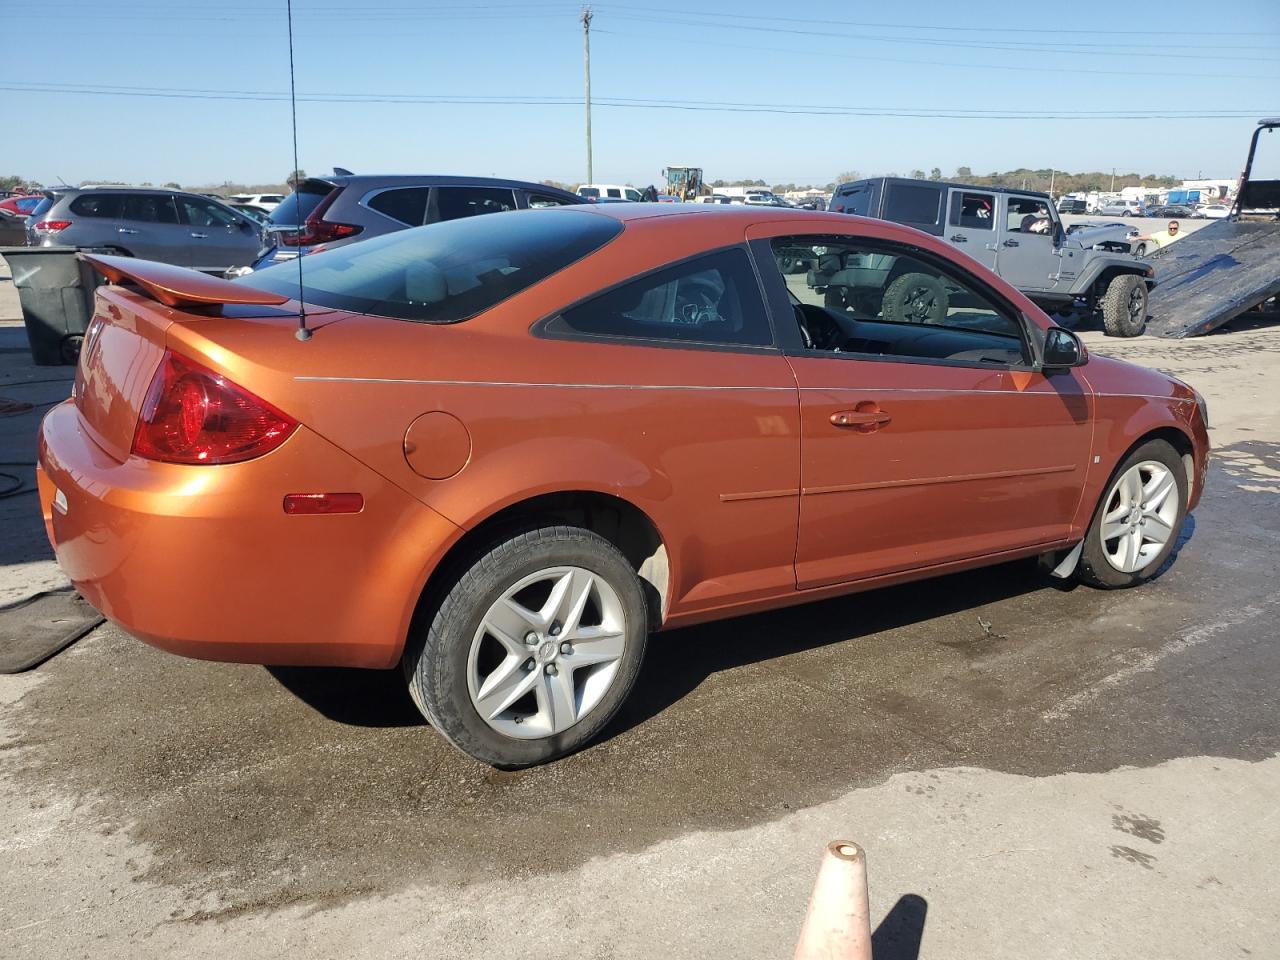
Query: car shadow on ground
379, 698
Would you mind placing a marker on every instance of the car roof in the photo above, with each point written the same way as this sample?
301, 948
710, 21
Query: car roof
944, 183
738, 215
434, 179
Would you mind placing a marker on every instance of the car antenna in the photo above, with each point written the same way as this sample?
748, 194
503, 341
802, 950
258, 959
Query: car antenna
303, 333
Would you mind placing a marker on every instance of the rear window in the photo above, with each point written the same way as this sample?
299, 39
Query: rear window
445, 272
915, 206
97, 205
297, 206
42, 207
856, 201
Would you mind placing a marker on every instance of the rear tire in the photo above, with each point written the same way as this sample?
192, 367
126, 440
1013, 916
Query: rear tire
566, 682
1151, 521
1124, 306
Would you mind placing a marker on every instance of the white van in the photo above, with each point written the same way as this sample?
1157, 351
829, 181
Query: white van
608, 191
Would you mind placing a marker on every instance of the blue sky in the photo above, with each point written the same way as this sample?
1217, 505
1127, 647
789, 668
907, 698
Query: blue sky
1178, 59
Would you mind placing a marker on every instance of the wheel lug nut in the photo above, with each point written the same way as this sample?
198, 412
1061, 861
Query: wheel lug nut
528, 665
551, 670
566, 647
531, 638
555, 629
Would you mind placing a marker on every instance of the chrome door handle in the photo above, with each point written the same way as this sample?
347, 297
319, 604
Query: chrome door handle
125, 230
959, 238
864, 420
201, 236
1011, 243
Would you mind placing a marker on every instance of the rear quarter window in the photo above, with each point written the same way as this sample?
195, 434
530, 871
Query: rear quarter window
916, 206
108, 205
444, 272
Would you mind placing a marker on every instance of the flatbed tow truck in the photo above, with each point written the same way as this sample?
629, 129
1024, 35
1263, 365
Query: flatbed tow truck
1217, 273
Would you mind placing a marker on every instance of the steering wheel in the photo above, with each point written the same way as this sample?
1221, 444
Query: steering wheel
803, 324
696, 301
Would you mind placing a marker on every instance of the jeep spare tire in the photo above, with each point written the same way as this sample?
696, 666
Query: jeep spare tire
915, 298
1124, 306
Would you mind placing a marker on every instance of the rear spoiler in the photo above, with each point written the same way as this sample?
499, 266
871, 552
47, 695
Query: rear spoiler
179, 286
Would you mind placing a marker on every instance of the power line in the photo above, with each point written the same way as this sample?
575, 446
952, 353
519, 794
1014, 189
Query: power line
636, 103
949, 65
985, 29
1039, 47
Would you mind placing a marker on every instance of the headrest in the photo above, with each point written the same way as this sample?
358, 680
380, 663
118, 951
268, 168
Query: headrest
424, 282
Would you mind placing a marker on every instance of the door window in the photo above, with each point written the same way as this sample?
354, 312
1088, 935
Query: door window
633, 194
452, 203
408, 205
881, 300
150, 208
202, 213
713, 299
107, 205
1028, 215
615, 193
916, 206
973, 211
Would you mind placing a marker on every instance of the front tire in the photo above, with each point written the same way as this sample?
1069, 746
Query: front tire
1137, 523
533, 648
1124, 306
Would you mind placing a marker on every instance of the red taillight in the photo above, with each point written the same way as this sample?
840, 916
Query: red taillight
316, 229
193, 415
52, 226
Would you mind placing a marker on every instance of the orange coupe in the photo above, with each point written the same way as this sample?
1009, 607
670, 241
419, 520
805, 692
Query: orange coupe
504, 449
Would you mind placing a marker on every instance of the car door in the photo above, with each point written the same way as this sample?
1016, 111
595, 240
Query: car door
922, 444
702, 392
1027, 253
149, 229
218, 238
971, 224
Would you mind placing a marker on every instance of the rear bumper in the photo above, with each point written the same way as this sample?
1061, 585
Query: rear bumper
202, 560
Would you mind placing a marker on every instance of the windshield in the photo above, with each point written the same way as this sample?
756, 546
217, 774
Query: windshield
444, 272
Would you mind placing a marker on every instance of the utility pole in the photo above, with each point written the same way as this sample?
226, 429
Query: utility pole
1113, 179
1051, 173
586, 70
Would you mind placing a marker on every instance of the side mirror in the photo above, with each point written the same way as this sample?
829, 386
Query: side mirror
1063, 349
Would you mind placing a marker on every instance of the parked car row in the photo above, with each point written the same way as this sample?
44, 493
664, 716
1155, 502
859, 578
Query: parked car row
254, 231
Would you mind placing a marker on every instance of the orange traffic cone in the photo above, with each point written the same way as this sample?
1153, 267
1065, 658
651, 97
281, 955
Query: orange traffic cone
838, 924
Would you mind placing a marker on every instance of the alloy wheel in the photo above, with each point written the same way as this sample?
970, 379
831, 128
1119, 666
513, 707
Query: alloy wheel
546, 652
1140, 517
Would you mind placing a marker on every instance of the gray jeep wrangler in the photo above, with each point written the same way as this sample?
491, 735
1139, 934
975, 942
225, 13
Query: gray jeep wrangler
1015, 233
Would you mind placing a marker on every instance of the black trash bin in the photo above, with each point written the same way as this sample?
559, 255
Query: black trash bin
55, 288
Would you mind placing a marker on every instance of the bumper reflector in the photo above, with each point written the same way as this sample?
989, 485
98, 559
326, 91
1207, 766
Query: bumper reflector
313, 503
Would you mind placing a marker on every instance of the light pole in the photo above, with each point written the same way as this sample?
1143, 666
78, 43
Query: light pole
586, 70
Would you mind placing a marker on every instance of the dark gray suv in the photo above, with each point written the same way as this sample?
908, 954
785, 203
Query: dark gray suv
166, 225
346, 208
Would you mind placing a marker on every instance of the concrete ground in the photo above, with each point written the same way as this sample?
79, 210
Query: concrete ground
1034, 771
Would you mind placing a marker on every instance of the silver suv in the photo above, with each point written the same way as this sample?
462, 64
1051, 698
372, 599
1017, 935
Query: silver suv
166, 225
346, 207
